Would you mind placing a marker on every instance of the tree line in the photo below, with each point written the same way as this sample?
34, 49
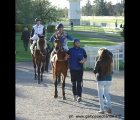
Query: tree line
103, 8
28, 10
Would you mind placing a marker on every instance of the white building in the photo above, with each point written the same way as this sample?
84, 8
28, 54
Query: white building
74, 12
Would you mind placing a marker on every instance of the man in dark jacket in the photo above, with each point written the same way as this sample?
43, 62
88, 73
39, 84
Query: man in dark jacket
25, 37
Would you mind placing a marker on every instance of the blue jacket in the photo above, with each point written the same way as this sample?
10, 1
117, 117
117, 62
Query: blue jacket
76, 55
64, 40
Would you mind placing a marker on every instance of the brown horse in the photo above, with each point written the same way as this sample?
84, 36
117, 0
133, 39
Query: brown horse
60, 65
39, 57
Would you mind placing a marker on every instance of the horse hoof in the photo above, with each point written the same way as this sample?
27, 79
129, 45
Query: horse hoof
64, 98
38, 82
55, 96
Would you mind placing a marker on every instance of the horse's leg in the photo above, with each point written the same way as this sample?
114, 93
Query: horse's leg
53, 73
63, 85
42, 70
34, 65
38, 66
59, 78
55, 84
35, 71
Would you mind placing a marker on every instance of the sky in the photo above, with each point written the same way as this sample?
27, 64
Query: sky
65, 3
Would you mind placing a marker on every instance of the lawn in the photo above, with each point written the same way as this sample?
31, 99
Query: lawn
22, 56
98, 30
101, 19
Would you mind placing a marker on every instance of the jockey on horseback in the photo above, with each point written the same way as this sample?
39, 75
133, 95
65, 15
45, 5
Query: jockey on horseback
64, 38
37, 29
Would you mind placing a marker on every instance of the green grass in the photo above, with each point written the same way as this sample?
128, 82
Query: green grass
114, 36
110, 19
98, 30
22, 56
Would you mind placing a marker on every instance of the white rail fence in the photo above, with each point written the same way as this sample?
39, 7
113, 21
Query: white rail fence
92, 53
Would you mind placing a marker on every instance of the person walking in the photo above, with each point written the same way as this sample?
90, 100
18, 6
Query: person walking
25, 38
99, 52
103, 73
77, 56
71, 26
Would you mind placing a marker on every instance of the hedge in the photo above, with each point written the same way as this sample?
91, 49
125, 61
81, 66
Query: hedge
20, 27
51, 28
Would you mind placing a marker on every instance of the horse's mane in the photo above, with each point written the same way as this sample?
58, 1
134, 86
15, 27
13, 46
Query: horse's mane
41, 43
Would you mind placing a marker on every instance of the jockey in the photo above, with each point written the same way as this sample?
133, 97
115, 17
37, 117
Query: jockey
37, 29
64, 39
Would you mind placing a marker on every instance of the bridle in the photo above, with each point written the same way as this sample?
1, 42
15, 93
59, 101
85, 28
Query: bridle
58, 38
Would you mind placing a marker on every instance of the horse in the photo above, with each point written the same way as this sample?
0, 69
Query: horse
60, 65
39, 57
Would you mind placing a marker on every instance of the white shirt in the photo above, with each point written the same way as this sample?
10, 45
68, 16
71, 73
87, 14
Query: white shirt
37, 30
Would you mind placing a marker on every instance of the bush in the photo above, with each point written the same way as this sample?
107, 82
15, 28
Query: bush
29, 26
19, 28
51, 28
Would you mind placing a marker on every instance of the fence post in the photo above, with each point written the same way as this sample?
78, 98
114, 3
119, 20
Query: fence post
123, 51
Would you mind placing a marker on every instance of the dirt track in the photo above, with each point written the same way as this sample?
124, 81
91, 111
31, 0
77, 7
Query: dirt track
36, 101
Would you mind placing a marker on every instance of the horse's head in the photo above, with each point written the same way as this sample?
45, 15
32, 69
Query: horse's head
41, 42
58, 42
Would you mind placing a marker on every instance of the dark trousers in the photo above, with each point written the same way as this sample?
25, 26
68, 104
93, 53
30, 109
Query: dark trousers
25, 44
47, 63
76, 80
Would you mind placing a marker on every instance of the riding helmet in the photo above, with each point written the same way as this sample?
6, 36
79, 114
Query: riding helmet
37, 19
59, 25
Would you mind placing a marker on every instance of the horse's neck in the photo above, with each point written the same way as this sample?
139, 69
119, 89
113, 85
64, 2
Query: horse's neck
44, 46
60, 55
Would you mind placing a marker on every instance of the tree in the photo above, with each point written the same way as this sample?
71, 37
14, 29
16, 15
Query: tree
101, 10
23, 8
109, 8
87, 10
30, 9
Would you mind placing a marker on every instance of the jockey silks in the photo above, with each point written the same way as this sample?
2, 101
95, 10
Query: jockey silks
64, 39
37, 30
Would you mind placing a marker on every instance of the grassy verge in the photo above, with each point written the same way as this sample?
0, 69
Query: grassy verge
22, 56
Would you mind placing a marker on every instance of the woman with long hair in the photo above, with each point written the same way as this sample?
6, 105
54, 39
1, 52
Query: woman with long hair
103, 73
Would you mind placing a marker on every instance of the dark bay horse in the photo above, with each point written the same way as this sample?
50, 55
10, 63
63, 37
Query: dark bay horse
39, 57
60, 65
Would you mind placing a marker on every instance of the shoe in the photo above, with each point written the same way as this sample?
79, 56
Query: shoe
101, 112
75, 97
109, 110
79, 99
